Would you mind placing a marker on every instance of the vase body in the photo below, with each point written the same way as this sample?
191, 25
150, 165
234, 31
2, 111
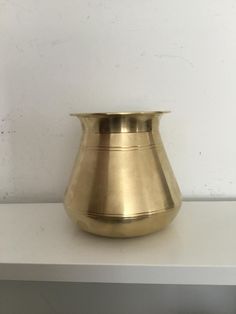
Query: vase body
122, 184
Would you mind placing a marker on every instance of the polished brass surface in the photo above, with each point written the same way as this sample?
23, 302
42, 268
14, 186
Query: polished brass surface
122, 184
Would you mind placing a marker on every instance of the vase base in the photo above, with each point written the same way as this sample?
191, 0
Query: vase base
114, 227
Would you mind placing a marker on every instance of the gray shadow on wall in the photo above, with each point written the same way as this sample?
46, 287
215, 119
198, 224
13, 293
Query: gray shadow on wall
48, 297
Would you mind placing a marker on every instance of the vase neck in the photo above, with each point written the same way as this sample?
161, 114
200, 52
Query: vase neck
120, 123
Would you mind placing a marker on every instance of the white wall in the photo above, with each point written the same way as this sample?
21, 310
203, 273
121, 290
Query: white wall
60, 56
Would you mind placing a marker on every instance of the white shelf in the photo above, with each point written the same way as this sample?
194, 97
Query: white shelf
38, 242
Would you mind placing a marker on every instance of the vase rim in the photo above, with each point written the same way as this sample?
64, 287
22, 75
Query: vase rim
119, 113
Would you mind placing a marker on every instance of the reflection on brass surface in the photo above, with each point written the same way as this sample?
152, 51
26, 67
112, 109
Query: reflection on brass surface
122, 184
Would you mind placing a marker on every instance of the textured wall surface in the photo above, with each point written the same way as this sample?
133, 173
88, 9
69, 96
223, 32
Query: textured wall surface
59, 56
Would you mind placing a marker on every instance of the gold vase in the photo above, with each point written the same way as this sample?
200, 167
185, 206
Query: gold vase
122, 184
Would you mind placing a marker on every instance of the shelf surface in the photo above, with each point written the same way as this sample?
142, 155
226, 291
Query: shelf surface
39, 242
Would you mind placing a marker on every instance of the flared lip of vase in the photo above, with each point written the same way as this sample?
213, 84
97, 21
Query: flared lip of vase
120, 113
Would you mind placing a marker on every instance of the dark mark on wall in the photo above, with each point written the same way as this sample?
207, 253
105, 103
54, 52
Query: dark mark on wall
163, 56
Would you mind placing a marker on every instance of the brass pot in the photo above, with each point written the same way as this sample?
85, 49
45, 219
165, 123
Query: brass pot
122, 184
